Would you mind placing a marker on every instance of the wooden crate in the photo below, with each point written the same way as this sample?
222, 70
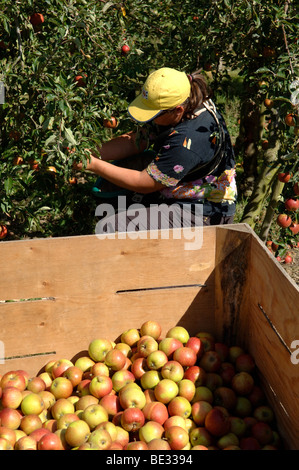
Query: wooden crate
58, 294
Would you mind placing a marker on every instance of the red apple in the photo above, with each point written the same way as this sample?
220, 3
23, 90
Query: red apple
179, 406
13, 379
158, 444
125, 49
226, 397
226, 372
10, 418
173, 370
199, 411
74, 374
292, 204
38, 433
61, 407
59, 367
207, 339
262, 432
186, 356
36, 384
11, 397
213, 380
257, 396
49, 441
294, 228
115, 359
222, 349
151, 328
196, 344
186, 389
111, 403
26, 443
217, 422
136, 445
249, 443
169, 345
155, 411
210, 361
200, 436
146, 345
245, 363
61, 387
100, 386
130, 337
64, 421
284, 220
132, 419
177, 437
196, 374
77, 433
139, 367
30, 423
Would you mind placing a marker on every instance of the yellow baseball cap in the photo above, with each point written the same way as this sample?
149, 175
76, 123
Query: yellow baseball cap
164, 89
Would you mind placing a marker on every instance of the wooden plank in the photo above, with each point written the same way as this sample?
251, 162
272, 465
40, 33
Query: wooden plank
35, 332
88, 266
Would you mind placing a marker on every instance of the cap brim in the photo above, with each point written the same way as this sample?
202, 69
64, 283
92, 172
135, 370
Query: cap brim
140, 112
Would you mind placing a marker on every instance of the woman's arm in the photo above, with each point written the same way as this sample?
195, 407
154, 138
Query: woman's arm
134, 180
120, 147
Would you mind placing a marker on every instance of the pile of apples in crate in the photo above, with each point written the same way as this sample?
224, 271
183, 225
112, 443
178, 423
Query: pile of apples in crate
144, 392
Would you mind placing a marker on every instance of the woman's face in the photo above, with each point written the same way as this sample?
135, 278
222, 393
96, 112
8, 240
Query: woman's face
170, 117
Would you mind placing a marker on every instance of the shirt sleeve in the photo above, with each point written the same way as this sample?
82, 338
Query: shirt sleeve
173, 160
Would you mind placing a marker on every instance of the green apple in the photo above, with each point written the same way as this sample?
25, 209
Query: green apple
32, 404
178, 332
98, 349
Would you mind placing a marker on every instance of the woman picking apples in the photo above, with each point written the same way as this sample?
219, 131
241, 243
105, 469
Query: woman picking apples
184, 153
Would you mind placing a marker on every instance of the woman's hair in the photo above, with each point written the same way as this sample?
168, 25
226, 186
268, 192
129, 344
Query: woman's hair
200, 92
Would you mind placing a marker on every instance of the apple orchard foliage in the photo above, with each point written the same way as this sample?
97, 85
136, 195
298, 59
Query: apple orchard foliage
49, 117
146, 391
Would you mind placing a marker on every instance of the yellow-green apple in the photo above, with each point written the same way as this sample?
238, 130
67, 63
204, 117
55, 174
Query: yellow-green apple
65, 420
26, 443
186, 389
217, 422
60, 366
36, 384
132, 397
100, 439
203, 393
10, 418
49, 365
19, 433
115, 359
13, 379
5, 444
179, 406
196, 374
185, 356
199, 411
226, 397
222, 349
264, 413
47, 378
11, 397
146, 345
158, 444
229, 439
49, 441
178, 332
124, 348
74, 374
30, 423
151, 430
61, 407
190, 424
243, 407
122, 436
210, 361
132, 419
98, 349
245, 363
237, 425
242, 383
8, 434
61, 387
169, 345
196, 344
85, 401
83, 387
122, 377
175, 421
94, 415
200, 436
177, 437
136, 445
151, 328
130, 337
32, 404
111, 403
173, 370
156, 360
100, 368
61, 434
139, 367
108, 426
234, 352
100, 386
166, 390
155, 411
150, 379
77, 433
84, 363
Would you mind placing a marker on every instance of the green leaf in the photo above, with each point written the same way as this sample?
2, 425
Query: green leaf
8, 185
50, 140
70, 136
